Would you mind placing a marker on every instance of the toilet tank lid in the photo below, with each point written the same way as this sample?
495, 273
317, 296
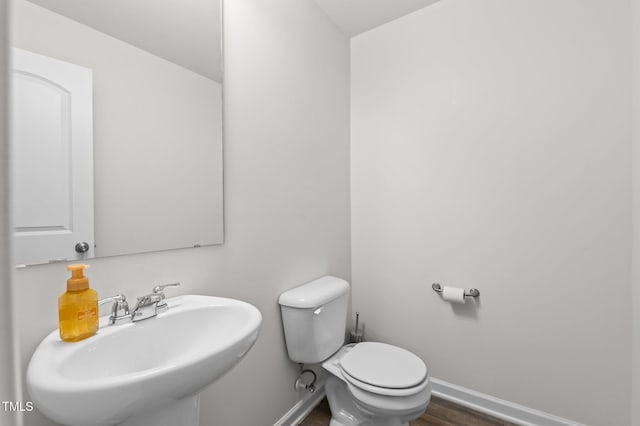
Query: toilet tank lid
315, 293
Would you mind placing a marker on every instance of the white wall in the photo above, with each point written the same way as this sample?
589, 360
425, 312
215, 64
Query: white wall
490, 149
286, 202
9, 382
635, 166
157, 136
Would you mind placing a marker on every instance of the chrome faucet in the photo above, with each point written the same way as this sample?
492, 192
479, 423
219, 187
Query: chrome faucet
147, 306
151, 304
119, 304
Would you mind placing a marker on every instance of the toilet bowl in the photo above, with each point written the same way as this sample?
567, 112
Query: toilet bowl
391, 388
368, 383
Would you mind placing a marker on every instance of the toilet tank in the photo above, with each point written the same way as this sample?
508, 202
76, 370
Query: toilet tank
314, 316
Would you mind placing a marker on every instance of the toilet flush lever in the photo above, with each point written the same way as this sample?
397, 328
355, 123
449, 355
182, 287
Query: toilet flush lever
318, 311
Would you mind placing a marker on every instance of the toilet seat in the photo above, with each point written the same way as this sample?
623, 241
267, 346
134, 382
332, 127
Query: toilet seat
384, 391
384, 369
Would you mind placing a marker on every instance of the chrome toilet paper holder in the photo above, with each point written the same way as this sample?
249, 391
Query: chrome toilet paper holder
472, 292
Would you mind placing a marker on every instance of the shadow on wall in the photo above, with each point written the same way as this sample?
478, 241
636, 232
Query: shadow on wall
469, 309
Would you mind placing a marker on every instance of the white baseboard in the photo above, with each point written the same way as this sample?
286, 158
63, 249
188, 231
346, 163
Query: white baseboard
476, 401
298, 412
496, 407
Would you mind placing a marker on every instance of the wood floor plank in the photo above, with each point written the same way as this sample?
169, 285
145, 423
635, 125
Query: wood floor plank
439, 413
320, 416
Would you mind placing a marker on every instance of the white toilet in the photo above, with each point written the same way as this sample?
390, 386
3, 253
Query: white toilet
368, 383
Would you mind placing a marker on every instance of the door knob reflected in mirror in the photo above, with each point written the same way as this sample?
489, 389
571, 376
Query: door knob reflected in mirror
82, 247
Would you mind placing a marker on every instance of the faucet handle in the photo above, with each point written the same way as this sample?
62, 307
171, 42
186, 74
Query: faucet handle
119, 303
159, 289
119, 300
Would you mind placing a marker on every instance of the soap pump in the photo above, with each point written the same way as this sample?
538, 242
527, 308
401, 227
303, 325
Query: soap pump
77, 307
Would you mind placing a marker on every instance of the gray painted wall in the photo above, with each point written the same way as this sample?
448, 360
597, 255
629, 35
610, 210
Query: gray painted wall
286, 172
635, 167
491, 149
9, 386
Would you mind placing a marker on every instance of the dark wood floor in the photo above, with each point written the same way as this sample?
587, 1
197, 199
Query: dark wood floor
439, 413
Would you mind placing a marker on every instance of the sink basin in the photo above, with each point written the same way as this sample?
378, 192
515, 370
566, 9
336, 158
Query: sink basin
145, 372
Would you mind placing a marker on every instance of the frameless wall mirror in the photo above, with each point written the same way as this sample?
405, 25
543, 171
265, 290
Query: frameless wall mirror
116, 127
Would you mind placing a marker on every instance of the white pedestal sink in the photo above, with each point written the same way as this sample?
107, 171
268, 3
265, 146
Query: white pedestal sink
146, 373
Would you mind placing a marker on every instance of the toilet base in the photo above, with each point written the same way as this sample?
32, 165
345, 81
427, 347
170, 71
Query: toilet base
338, 423
345, 412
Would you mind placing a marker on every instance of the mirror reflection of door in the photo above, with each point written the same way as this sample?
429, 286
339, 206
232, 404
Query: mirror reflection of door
52, 130
157, 115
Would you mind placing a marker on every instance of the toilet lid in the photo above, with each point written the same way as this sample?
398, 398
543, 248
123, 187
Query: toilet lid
385, 366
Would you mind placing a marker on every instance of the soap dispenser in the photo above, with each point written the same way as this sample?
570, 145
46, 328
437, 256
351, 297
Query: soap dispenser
78, 307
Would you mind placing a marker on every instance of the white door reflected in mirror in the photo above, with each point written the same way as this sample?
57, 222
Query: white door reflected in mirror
157, 119
52, 130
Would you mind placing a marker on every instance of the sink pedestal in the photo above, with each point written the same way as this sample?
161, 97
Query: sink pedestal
184, 412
